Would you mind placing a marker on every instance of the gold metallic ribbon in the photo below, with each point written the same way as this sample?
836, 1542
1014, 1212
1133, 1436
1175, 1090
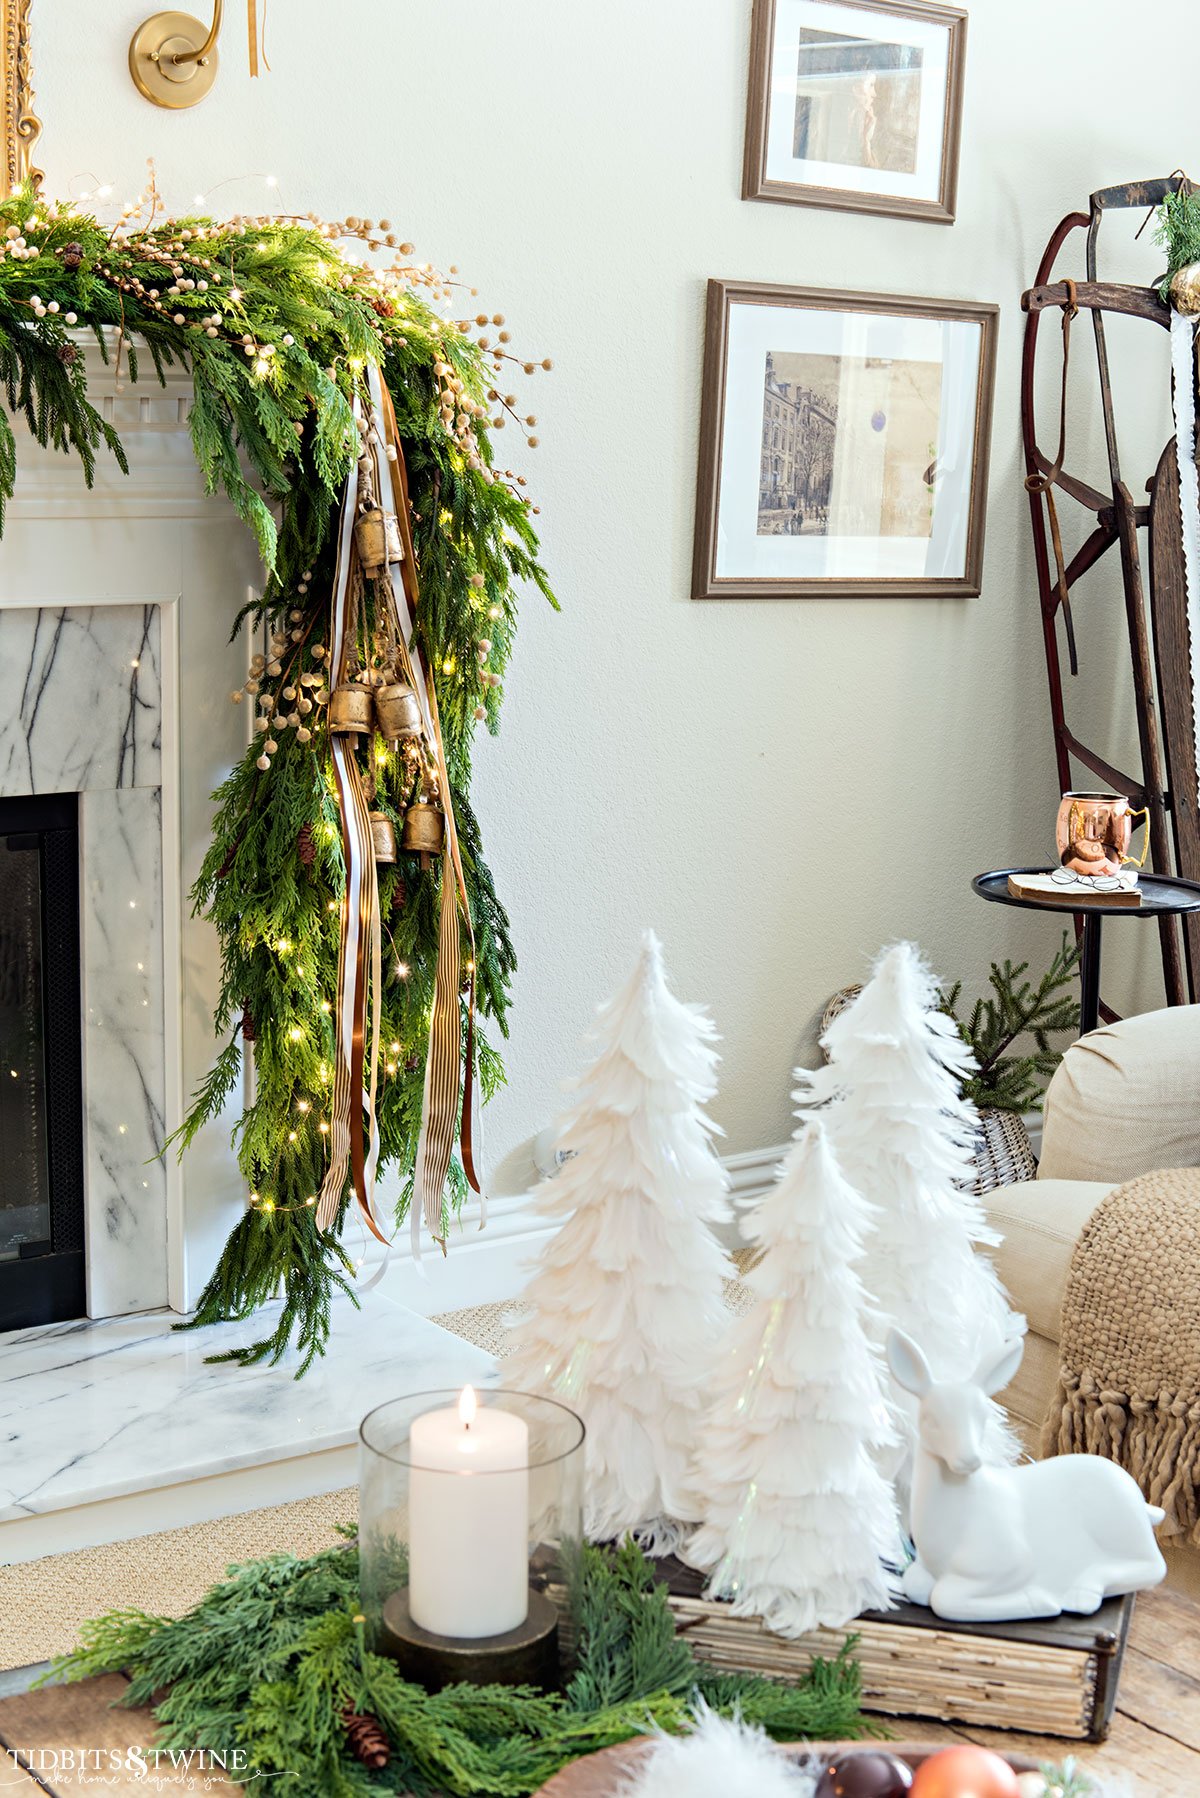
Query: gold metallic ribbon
258, 39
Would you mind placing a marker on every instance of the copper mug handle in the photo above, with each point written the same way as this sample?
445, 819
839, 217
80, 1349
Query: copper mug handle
1139, 861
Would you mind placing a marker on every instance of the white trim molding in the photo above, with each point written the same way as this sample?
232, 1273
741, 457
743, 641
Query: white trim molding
485, 1266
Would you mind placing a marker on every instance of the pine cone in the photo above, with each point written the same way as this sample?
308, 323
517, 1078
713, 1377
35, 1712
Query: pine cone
68, 353
72, 255
249, 1028
306, 845
399, 894
365, 1738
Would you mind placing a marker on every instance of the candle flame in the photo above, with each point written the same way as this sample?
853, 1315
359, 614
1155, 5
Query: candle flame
468, 1404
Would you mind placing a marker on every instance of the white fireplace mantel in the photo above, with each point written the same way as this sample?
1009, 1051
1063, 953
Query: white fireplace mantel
142, 567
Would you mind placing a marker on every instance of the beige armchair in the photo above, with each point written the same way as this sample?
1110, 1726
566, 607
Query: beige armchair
1125, 1100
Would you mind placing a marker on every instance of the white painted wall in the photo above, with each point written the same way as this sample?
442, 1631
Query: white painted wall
777, 787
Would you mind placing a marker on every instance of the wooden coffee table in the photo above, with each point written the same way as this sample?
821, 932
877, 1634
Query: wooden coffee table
1154, 1744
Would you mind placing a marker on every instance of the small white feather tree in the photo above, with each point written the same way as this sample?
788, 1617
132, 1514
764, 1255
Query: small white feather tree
627, 1300
905, 1139
797, 1517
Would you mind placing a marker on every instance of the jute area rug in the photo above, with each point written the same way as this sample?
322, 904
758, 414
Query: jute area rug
42, 1603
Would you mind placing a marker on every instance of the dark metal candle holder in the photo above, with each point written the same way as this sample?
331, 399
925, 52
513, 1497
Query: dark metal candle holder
527, 1656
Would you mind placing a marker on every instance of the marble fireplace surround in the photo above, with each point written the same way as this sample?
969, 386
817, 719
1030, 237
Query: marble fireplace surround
82, 710
115, 671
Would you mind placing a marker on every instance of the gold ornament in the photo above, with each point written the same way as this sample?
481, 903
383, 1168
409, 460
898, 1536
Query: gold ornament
370, 539
383, 836
1185, 289
424, 831
352, 711
398, 711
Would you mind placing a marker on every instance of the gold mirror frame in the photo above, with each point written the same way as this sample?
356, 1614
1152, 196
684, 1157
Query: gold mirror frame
20, 124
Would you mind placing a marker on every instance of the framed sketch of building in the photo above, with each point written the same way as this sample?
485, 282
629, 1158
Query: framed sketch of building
843, 443
856, 104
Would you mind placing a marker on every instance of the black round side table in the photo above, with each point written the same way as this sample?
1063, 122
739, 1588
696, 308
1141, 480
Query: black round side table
1162, 894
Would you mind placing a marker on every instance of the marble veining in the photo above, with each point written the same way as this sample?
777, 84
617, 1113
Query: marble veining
90, 1411
121, 907
80, 698
81, 712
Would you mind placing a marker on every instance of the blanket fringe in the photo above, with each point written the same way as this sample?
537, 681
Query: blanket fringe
1157, 1440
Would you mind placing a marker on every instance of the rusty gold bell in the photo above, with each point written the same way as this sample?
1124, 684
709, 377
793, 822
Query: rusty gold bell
424, 831
352, 711
398, 711
383, 836
1185, 289
371, 540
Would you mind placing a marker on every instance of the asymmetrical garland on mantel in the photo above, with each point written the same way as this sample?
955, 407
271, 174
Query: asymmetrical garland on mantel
359, 927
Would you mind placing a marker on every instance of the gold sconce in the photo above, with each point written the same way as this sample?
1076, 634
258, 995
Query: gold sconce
19, 124
173, 57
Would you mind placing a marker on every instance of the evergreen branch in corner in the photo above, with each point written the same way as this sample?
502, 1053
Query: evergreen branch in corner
1007, 1078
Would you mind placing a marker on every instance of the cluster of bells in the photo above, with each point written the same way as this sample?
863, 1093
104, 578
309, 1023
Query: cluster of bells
393, 710
390, 708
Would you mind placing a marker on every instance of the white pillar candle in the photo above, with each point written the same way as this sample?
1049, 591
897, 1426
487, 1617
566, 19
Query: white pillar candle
468, 1520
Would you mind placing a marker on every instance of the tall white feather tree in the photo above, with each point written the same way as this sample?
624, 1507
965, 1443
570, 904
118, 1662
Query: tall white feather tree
905, 1139
627, 1299
796, 1516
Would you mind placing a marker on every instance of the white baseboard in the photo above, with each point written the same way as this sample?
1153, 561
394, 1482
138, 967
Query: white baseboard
484, 1266
480, 1267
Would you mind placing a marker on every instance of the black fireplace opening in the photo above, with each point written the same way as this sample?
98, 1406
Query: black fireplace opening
41, 1074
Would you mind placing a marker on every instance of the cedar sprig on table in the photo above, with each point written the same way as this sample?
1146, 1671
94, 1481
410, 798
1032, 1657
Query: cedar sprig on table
273, 1659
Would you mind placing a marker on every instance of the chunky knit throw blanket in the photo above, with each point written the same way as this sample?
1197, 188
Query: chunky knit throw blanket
1129, 1380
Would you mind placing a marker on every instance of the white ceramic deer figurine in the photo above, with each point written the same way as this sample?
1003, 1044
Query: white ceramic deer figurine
995, 1543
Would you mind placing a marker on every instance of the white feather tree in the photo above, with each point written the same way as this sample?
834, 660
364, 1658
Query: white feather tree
905, 1138
627, 1300
796, 1516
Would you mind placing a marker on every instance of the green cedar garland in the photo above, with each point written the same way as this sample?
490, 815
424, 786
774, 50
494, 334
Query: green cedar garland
278, 328
272, 1659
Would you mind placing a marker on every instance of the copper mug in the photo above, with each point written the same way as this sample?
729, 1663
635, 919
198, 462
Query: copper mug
1093, 832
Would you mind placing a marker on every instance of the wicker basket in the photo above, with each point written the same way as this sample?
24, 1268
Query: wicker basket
1003, 1151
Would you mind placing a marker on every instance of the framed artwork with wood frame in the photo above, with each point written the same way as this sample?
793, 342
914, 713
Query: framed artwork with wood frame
856, 105
19, 126
843, 444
